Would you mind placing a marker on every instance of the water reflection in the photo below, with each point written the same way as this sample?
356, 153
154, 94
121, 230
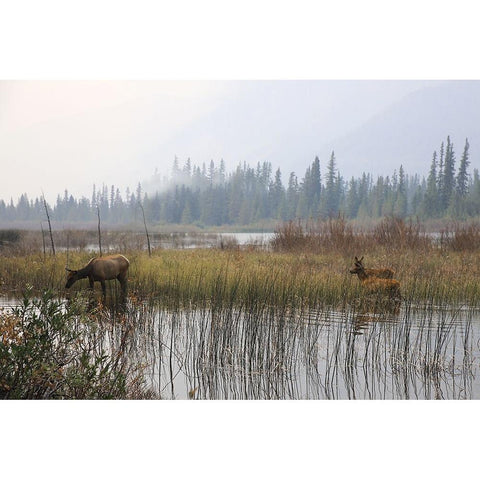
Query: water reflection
315, 355
266, 353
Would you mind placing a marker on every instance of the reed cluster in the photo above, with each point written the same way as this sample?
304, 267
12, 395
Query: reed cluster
270, 353
338, 235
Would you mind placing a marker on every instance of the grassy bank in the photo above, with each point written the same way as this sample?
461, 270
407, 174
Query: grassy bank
306, 265
248, 278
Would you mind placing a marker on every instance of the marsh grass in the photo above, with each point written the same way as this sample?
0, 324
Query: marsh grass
459, 237
307, 266
289, 280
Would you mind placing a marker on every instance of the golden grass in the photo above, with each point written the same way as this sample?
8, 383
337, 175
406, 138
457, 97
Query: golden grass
249, 278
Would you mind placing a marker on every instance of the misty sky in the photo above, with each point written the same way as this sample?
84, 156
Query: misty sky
57, 135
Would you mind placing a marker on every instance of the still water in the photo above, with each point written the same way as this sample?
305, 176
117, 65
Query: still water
267, 354
271, 353
185, 241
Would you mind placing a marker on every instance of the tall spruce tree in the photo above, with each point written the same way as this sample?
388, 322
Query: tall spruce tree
429, 206
448, 175
331, 191
462, 176
292, 197
314, 189
352, 201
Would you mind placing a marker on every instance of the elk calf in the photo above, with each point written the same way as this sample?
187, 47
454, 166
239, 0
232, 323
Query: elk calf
375, 272
374, 284
100, 270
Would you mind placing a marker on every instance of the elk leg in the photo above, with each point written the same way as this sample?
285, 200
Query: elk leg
123, 282
91, 282
104, 288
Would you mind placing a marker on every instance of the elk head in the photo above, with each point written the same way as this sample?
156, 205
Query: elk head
71, 277
358, 267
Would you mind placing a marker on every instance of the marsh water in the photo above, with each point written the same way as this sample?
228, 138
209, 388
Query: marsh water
271, 353
185, 240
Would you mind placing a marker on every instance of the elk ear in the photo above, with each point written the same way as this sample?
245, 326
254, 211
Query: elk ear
356, 259
361, 260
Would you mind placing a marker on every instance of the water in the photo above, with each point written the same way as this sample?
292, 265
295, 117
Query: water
271, 353
182, 241
310, 355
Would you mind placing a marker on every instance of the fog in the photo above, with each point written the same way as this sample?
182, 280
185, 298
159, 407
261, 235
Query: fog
58, 135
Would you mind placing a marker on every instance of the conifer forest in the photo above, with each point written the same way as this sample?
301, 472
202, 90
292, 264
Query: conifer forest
209, 195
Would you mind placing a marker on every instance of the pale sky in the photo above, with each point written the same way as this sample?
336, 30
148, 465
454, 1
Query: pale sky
68, 134
57, 135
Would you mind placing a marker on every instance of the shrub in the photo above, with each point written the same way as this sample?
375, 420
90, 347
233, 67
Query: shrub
49, 349
460, 238
394, 233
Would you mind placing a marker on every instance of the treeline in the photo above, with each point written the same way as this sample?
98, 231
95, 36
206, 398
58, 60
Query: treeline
208, 195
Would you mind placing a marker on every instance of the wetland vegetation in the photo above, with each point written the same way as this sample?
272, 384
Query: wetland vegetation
279, 320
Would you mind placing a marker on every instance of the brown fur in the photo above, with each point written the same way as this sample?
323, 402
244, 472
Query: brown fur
375, 272
101, 269
374, 284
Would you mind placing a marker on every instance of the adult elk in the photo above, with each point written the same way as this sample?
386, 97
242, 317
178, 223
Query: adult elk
102, 269
374, 272
374, 284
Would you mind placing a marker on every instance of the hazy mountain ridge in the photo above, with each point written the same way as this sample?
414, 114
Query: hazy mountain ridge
410, 130
288, 125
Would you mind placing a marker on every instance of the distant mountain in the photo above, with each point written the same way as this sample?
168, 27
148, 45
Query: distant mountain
410, 130
373, 126
286, 123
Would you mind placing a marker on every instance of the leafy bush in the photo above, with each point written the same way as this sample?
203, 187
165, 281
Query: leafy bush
52, 349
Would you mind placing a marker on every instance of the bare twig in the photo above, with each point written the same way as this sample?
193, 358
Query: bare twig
99, 232
146, 231
49, 224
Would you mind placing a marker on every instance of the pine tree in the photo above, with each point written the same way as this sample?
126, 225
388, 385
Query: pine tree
175, 170
462, 176
448, 175
310, 191
430, 201
221, 172
400, 208
277, 196
315, 188
292, 197
211, 172
187, 169
474, 194
138, 197
331, 193
457, 203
